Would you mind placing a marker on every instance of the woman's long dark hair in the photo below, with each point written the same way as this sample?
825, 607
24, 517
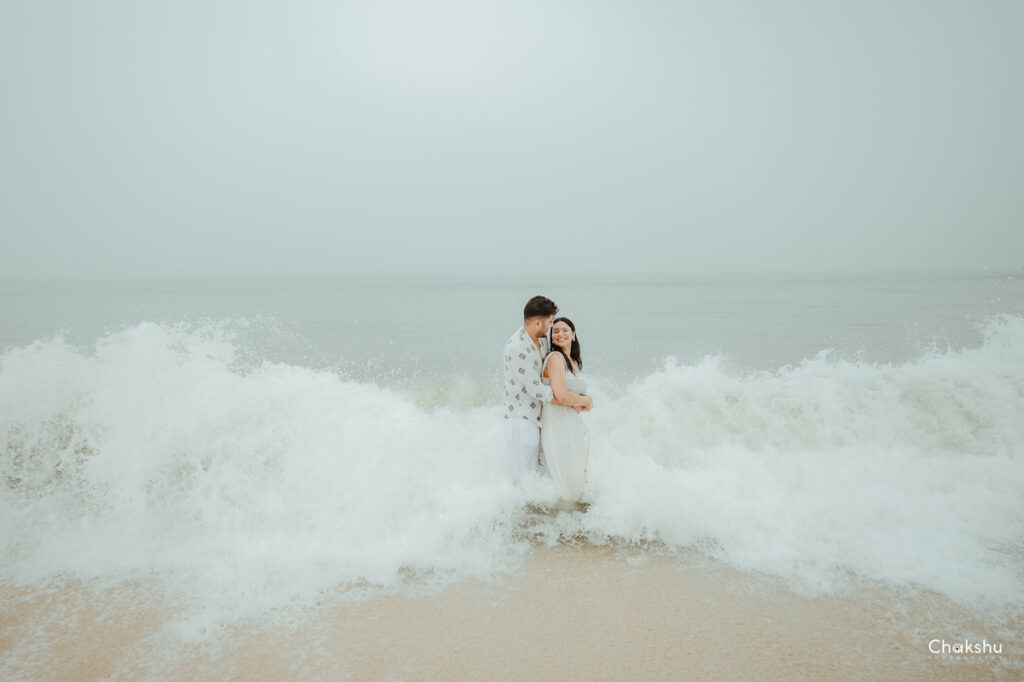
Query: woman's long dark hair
574, 350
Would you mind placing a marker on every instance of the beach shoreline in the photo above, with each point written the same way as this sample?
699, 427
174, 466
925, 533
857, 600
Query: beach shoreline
568, 612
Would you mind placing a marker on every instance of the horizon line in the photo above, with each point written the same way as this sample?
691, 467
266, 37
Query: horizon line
491, 274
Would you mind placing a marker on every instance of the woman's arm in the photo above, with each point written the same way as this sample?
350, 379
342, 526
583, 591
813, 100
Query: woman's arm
555, 371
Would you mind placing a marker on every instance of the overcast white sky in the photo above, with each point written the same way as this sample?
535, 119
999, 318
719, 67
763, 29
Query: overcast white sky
193, 137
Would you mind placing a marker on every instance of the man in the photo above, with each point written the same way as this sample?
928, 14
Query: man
525, 393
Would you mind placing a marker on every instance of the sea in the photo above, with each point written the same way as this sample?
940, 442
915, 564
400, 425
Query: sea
253, 444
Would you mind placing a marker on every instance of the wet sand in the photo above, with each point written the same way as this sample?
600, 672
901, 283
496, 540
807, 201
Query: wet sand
568, 613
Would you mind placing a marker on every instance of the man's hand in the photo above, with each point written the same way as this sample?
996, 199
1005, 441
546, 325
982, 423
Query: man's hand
587, 407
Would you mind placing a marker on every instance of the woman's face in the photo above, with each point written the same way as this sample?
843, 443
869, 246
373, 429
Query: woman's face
562, 335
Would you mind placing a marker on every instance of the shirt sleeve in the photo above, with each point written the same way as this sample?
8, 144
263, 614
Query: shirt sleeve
526, 371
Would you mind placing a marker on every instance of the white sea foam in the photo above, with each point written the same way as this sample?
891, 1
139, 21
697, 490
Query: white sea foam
252, 487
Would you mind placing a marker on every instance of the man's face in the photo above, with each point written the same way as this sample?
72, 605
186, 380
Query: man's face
539, 326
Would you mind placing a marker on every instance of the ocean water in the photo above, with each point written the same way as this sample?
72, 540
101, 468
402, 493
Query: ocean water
255, 444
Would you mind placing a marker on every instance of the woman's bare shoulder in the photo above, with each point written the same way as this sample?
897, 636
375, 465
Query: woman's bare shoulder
554, 358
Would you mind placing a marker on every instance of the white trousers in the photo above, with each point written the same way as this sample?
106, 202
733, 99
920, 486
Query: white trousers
522, 440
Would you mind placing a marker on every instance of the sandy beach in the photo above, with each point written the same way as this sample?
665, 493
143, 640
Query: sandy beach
567, 613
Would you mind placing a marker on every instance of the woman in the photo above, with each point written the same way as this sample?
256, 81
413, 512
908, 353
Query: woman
563, 434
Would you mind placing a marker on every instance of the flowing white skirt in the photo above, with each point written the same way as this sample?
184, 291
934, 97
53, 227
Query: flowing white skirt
566, 446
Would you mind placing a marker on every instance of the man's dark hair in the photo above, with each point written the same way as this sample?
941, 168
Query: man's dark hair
539, 306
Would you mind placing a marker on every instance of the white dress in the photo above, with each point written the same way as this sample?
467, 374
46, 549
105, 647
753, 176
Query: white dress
565, 443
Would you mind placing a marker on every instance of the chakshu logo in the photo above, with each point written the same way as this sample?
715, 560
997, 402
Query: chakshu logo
941, 646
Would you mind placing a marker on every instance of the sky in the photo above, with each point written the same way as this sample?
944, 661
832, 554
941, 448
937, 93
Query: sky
296, 138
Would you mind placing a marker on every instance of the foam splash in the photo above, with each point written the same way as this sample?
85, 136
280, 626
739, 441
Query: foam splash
254, 486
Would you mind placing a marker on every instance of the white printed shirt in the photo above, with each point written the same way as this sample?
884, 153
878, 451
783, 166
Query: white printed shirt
525, 394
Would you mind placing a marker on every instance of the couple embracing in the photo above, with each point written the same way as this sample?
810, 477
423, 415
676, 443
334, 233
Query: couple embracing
544, 396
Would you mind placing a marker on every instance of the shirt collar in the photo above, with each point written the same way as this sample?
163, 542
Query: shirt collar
526, 337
